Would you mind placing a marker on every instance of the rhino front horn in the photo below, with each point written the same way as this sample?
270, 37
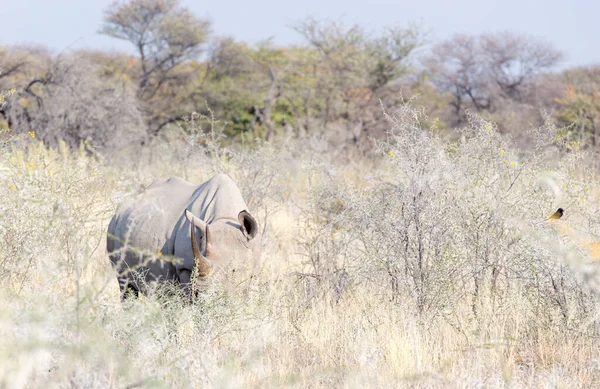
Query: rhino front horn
203, 266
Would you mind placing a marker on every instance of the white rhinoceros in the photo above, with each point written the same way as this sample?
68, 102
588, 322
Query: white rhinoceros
150, 237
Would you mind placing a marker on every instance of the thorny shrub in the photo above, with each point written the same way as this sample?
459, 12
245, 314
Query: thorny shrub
433, 264
444, 223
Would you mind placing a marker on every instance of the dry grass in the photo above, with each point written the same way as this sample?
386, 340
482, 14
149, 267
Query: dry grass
431, 265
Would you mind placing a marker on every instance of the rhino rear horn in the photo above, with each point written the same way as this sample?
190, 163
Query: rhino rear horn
248, 224
203, 266
195, 220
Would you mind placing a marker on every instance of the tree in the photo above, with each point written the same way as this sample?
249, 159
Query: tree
237, 84
229, 84
513, 60
167, 36
480, 71
17, 65
579, 104
355, 70
71, 101
273, 62
458, 68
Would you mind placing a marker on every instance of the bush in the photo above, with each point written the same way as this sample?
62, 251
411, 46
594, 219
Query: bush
430, 265
72, 103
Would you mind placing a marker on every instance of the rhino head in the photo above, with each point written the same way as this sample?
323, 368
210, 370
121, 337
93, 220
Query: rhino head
223, 241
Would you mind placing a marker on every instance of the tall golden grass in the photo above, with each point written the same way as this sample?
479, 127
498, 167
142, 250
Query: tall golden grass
430, 264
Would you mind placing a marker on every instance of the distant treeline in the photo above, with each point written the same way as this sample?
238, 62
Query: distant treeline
336, 85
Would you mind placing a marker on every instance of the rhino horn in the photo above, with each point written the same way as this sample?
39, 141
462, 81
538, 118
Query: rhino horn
203, 266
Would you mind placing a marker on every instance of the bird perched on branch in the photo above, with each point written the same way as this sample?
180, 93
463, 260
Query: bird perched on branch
557, 215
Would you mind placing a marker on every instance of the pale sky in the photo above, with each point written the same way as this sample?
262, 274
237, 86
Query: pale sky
571, 26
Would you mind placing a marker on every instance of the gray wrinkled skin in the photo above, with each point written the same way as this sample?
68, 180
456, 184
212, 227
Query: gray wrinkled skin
155, 222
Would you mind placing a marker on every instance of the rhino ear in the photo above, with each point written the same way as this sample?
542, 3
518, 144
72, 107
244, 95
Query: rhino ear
248, 224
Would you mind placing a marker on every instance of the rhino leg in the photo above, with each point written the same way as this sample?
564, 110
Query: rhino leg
185, 277
129, 291
128, 279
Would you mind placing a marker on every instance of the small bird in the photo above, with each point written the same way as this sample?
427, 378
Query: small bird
557, 215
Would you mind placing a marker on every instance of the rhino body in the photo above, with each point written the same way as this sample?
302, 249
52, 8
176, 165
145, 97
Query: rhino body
150, 237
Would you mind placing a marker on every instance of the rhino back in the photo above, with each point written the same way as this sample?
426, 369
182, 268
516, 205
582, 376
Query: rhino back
216, 199
147, 222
